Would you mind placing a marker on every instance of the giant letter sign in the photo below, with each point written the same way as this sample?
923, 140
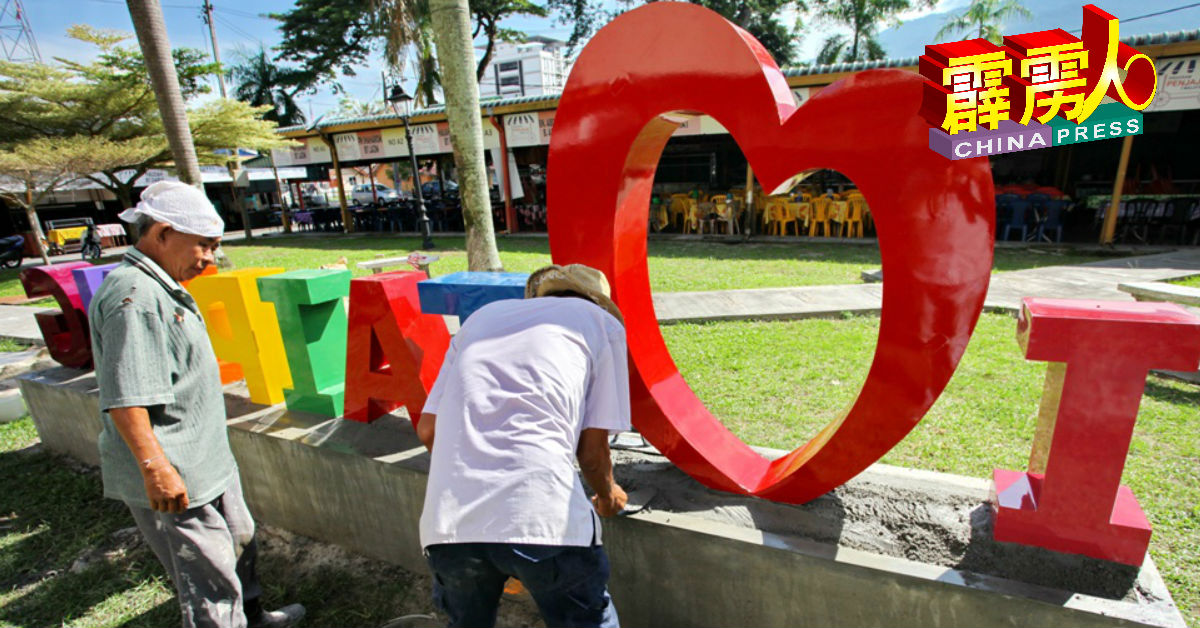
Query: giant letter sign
1072, 499
935, 221
66, 331
394, 351
243, 329
312, 319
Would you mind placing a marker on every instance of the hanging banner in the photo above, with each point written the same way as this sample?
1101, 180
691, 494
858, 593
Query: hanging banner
370, 145
444, 144
1178, 84
545, 125
318, 151
393, 142
425, 139
491, 137
347, 146
521, 129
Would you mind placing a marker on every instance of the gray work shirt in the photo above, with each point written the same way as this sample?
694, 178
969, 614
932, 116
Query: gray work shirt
151, 350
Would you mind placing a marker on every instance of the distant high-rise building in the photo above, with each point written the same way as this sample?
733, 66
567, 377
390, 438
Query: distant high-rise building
16, 36
532, 68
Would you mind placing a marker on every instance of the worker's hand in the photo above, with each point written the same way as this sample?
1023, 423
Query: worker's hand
165, 488
613, 504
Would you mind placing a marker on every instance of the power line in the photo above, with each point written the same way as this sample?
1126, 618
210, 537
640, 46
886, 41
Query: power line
224, 22
1155, 14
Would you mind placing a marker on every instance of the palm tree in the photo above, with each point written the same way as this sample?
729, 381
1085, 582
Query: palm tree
261, 81
983, 18
451, 23
863, 18
152, 37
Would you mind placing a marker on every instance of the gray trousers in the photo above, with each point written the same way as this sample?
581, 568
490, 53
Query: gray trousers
209, 554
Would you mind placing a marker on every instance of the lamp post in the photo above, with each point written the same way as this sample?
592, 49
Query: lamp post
401, 104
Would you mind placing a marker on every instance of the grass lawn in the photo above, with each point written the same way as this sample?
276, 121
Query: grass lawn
675, 266
772, 383
69, 557
1193, 281
778, 383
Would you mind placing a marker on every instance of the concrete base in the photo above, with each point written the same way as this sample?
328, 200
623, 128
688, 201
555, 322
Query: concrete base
891, 547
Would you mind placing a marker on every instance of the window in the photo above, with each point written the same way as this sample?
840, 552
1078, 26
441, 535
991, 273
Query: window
510, 80
510, 66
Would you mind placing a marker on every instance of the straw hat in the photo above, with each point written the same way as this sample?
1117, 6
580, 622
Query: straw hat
583, 280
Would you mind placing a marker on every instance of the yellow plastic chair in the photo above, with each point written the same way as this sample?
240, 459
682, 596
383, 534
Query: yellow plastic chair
726, 216
819, 216
799, 214
679, 208
659, 219
855, 215
693, 221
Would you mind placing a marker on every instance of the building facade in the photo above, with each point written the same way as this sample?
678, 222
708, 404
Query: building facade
533, 68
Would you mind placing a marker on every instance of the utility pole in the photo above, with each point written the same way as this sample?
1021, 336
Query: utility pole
212, 32
233, 167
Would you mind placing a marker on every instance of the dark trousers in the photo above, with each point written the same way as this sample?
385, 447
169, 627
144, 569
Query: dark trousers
569, 584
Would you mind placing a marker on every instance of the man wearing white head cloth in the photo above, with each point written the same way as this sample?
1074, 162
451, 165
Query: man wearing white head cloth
164, 449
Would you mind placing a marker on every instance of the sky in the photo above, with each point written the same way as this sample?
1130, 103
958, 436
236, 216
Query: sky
242, 27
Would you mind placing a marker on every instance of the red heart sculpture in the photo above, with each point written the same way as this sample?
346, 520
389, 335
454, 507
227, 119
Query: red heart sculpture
935, 220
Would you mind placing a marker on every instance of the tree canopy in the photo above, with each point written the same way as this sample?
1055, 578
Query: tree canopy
260, 81
984, 19
864, 19
328, 38
107, 106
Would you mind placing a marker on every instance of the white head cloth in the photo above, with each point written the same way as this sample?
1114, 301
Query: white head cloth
183, 207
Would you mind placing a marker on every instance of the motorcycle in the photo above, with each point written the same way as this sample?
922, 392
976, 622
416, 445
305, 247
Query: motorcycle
91, 248
12, 251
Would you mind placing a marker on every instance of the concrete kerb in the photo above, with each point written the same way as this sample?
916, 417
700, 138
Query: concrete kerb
694, 557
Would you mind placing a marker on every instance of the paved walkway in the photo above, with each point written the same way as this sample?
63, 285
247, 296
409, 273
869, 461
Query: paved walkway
1094, 280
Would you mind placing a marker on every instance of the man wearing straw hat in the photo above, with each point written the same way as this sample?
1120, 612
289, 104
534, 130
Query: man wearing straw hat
527, 388
164, 450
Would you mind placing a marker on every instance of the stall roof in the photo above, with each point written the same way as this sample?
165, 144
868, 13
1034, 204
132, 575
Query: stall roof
1165, 44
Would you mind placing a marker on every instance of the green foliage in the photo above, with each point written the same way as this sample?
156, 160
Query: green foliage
104, 113
328, 38
982, 18
760, 18
863, 18
1193, 281
261, 81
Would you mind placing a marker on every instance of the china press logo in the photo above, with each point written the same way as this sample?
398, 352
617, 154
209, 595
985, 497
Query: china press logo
1037, 90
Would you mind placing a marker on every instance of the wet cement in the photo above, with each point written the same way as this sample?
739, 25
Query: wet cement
893, 512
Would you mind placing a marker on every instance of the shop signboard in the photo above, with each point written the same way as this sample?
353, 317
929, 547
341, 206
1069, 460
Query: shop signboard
1178, 84
521, 129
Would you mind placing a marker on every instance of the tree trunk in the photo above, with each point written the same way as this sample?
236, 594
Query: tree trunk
452, 34
39, 240
152, 36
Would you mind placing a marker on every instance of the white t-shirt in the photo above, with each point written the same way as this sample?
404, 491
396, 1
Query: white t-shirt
521, 380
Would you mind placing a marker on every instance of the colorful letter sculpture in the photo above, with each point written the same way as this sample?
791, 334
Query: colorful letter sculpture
634, 83
394, 351
88, 280
312, 319
66, 331
243, 330
462, 293
230, 372
1072, 500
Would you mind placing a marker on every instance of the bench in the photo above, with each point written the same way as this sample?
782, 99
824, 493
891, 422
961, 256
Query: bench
1160, 291
421, 260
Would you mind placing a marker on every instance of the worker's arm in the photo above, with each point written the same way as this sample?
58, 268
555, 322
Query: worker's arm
425, 428
164, 487
596, 463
